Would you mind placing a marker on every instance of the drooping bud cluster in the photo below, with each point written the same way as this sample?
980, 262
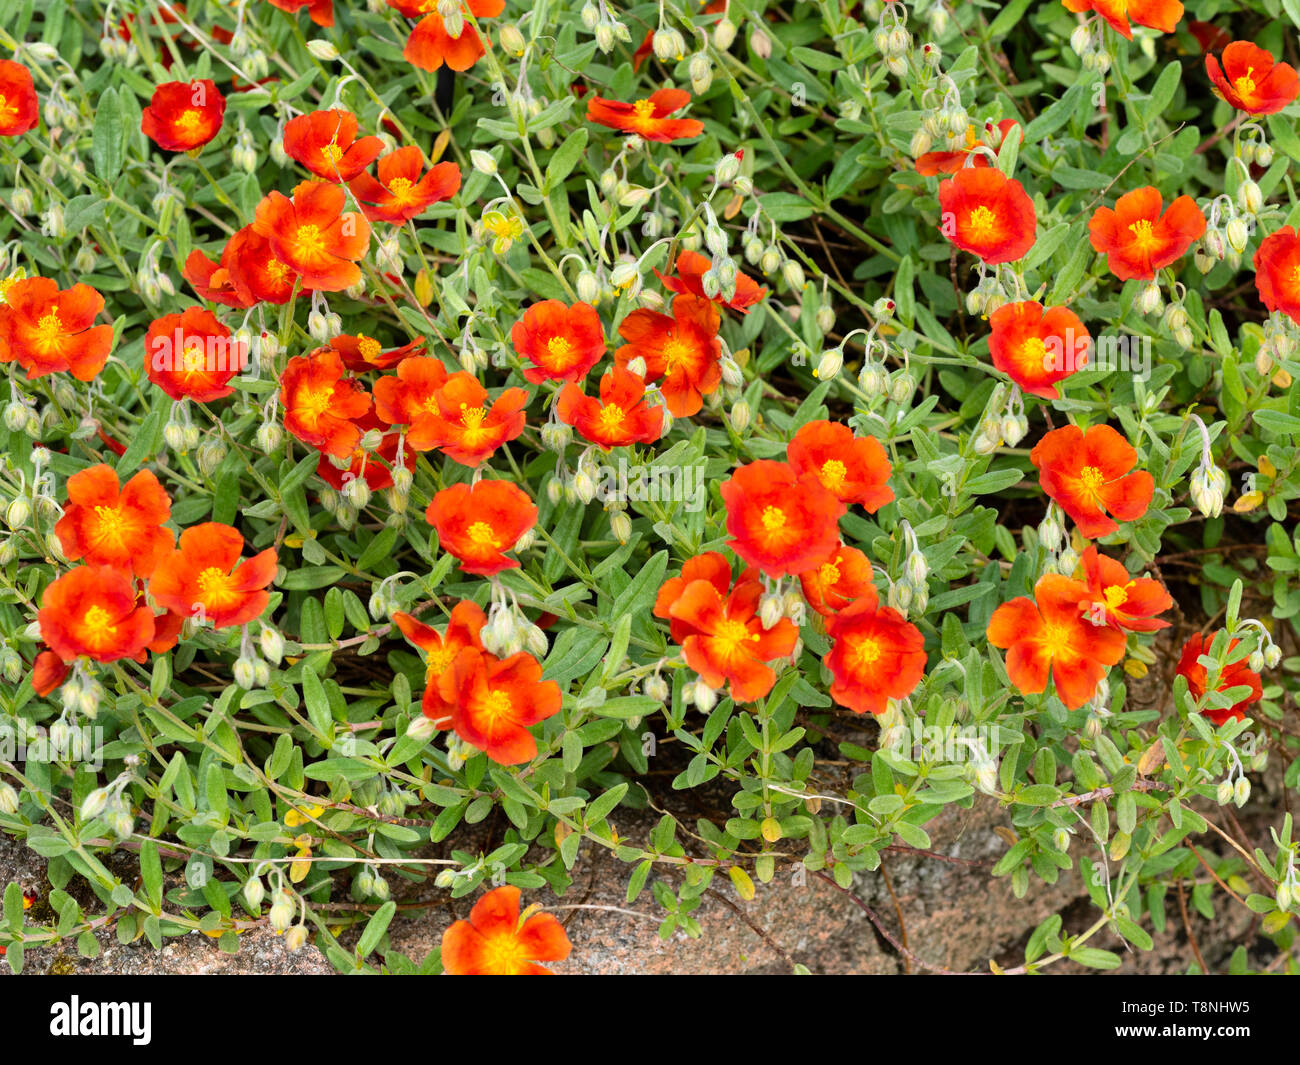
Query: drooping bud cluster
1208, 484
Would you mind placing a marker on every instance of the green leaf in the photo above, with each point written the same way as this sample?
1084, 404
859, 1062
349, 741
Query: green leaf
565, 158
376, 927
108, 140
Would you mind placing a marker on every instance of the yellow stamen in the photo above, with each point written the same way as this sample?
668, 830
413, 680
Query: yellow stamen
483, 533
982, 224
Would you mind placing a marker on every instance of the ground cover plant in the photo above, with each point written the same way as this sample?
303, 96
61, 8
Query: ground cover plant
430, 423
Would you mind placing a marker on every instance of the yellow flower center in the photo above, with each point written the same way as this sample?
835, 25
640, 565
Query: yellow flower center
1117, 595
829, 573
773, 519
213, 581
1144, 235
497, 704
676, 352
982, 223
313, 402
1246, 84
611, 418
193, 360
190, 122
1033, 352
277, 271
368, 348
865, 651
110, 523
482, 533
439, 662
48, 330
1055, 638
504, 954
400, 188
1092, 478
99, 623
472, 417
311, 240
833, 474
561, 350
332, 152
731, 635
644, 109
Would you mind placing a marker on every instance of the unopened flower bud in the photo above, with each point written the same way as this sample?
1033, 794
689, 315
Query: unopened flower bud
254, 892
828, 366
740, 416
1237, 234
1249, 197
1241, 792
1149, 300
705, 697
244, 672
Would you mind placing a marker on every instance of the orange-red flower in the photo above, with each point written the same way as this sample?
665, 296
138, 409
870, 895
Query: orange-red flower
711, 566
725, 641
984, 212
1252, 80
494, 701
399, 192
648, 117
1162, 15
183, 115
877, 655
205, 577
854, 469
563, 343
408, 396
1277, 272
494, 942
1049, 634
949, 162
321, 12
363, 353
375, 466
320, 404
463, 628
49, 671
92, 611
1088, 475
430, 45
691, 268
680, 350
19, 108
109, 524
479, 523
842, 579
1137, 239
257, 275
620, 417
779, 521
191, 355
48, 331
326, 143
458, 418
1236, 674
1038, 348
313, 235
212, 281
1119, 600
